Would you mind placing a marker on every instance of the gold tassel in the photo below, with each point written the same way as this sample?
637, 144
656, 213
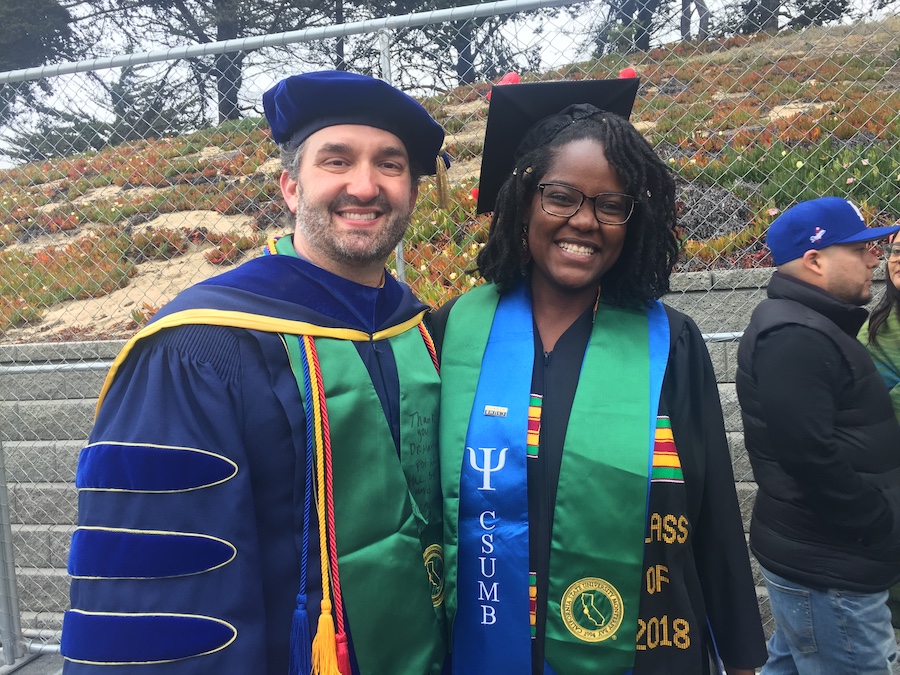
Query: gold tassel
442, 182
324, 647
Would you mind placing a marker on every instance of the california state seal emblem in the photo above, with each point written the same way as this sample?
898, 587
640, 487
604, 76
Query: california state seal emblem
592, 609
434, 565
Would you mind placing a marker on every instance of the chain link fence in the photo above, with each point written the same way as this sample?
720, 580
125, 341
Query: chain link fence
129, 178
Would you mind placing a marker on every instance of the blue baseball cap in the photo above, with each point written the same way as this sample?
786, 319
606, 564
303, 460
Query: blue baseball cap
817, 224
301, 105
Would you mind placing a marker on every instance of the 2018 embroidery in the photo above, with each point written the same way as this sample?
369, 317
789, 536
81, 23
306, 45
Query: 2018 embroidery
654, 632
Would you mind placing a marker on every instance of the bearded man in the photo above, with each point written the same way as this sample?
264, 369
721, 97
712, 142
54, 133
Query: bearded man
822, 438
260, 491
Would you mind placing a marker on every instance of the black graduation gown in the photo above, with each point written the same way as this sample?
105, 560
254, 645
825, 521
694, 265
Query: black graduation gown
697, 575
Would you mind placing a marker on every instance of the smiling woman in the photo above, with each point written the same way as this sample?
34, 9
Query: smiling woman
585, 530
571, 253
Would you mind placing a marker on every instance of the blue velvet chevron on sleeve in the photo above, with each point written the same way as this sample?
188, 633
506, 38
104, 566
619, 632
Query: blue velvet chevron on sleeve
171, 571
133, 639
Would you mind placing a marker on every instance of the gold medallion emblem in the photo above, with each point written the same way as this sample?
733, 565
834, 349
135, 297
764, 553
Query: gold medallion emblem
434, 566
592, 609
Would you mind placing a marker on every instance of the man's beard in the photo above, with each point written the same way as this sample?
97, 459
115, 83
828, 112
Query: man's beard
314, 222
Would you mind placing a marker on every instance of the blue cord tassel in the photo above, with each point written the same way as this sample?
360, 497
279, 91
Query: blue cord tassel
301, 640
301, 644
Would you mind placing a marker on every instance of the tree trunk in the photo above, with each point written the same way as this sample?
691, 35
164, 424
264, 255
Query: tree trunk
462, 43
646, 10
625, 12
770, 15
761, 15
227, 71
703, 12
228, 84
703, 15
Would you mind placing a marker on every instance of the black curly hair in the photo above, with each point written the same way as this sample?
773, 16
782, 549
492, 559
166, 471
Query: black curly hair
641, 273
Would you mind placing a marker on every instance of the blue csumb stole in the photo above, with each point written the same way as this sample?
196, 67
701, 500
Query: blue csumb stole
493, 533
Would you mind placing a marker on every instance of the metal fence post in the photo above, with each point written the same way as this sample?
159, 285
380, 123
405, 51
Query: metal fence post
384, 62
10, 627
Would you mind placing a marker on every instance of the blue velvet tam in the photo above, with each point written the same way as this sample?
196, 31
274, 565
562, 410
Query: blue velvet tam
817, 224
301, 105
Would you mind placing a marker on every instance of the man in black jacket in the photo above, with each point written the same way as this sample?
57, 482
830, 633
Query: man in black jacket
825, 448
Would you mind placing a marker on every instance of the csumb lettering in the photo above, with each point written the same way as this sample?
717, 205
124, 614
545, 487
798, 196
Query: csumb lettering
488, 591
488, 461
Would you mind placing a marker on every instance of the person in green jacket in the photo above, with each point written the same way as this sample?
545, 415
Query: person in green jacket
881, 336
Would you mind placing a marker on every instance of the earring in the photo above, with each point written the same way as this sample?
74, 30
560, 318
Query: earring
526, 252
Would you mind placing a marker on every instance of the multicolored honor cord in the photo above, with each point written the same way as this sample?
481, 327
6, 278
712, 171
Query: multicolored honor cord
330, 651
429, 344
301, 650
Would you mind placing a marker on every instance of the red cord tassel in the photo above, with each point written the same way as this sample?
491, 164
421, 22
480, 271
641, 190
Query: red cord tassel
343, 654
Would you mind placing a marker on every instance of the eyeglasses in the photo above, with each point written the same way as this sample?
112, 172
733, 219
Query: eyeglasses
891, 252
610, 208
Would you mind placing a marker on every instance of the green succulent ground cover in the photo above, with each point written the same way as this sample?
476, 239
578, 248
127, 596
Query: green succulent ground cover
764, 126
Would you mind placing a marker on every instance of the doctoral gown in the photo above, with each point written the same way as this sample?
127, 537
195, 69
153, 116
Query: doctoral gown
229, 396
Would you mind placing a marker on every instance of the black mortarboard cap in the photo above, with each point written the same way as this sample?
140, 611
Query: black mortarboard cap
520, 110
301, 105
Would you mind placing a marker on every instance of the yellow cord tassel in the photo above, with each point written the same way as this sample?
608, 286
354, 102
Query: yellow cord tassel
442, 182
324, 647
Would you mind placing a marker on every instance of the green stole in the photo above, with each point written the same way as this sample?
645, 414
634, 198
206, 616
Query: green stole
385, 519
886, 354
597, 546
387, 512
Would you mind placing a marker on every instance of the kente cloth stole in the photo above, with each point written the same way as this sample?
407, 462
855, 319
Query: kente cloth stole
386, 511
600, 514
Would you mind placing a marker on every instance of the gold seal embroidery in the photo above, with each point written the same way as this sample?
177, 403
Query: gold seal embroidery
434, 565
592, 609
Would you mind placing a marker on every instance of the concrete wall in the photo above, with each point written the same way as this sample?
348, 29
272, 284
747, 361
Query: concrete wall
47, 397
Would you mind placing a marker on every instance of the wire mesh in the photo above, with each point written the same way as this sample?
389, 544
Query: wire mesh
123, 185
